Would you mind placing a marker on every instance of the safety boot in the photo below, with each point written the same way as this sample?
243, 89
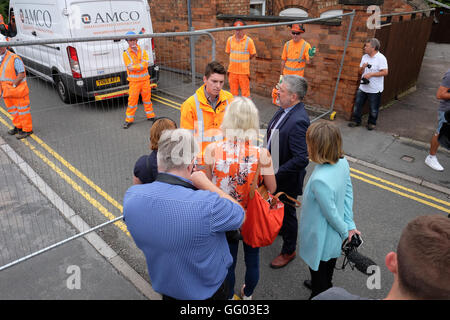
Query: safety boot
23, 134
14, 131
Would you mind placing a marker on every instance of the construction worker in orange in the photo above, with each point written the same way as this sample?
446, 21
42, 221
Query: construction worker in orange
15, 92
203, 112
136, 60
296, 52
241, 49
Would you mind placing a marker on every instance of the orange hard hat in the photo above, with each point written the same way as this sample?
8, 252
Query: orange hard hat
238, 23
298, 28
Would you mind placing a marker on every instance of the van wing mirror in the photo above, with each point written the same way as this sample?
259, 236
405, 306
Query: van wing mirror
34, 33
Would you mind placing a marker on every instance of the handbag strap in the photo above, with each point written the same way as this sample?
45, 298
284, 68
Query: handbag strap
296, 204
254, 184
251, 193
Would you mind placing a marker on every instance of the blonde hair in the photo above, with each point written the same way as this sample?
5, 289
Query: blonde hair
157, 128
241, 118
324, 142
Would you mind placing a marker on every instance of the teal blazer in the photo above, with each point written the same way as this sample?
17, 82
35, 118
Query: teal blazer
326, 214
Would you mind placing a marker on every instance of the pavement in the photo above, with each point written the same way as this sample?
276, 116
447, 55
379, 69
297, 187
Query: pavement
87, 268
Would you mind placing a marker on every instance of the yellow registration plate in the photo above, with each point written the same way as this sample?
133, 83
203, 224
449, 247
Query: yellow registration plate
104, 82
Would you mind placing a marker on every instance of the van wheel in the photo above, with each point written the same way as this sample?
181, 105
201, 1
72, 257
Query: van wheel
63, 91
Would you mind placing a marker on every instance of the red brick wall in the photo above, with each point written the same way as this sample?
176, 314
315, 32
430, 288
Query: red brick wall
321, 72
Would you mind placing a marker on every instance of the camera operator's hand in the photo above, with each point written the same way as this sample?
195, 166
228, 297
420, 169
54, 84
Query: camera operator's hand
364, 65
351, 233
367, 76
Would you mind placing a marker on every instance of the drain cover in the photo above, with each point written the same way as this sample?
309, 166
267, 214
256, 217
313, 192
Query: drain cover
407, 158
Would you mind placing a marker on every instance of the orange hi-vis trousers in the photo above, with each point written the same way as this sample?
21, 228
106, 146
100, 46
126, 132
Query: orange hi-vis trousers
239, 80
139, 88
19, 109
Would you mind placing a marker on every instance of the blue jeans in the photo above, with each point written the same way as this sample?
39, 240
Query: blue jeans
251, 257
374, 103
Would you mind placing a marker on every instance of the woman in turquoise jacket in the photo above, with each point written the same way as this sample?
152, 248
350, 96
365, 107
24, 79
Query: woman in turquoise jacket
327, 216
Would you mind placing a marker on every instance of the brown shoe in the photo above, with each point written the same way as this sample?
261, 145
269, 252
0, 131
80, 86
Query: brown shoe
282, 260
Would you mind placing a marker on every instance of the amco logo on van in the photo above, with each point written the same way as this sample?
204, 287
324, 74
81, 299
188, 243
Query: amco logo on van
36, 17
122, 16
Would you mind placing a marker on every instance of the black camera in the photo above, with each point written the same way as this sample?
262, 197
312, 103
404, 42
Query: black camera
364, 80
369, 66
353, 257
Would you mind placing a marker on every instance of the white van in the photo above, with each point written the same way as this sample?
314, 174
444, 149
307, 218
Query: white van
86, 69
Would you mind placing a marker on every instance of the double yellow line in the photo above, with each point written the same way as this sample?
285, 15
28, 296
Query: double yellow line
401, 190
69, 180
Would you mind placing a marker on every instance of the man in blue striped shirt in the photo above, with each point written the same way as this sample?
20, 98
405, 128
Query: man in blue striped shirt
179, 222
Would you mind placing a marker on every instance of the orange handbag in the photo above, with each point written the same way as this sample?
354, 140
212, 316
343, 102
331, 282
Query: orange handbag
264, 215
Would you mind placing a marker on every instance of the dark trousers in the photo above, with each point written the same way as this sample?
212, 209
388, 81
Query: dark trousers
221, 293
321, 279
289, 229
374, 103
251, 257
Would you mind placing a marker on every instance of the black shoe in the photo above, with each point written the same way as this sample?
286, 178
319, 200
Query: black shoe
370, 126
151, 119
126, 125
14, 131
353, 124
308, 284
24, 134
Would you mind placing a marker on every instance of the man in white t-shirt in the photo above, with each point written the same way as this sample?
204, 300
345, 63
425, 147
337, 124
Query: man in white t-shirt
373, 68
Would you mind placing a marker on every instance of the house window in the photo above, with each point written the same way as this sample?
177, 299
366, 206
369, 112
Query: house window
257, 7
330, 13
294, 12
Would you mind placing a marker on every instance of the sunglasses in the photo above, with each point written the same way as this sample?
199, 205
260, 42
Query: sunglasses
295, 33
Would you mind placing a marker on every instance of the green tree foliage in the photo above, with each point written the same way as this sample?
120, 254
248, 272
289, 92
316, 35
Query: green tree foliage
447, 2
4, 7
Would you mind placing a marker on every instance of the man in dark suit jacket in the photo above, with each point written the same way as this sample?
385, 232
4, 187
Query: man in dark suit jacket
286, 141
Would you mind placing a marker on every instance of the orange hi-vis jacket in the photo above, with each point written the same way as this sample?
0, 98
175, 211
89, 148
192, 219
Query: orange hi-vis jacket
295, 55
17, 99
199, 116
137, 64
240, 52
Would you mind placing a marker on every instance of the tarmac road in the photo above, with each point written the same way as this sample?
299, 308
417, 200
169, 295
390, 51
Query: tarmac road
85, 156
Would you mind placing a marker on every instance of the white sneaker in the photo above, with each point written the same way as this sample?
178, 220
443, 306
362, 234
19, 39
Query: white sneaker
243, 296
433, 163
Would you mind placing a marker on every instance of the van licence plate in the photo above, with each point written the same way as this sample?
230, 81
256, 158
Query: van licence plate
104, 82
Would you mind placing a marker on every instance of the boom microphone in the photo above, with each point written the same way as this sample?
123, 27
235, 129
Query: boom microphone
361, 263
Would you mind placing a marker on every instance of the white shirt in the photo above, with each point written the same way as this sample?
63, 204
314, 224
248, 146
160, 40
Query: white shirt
378, 62
275, 127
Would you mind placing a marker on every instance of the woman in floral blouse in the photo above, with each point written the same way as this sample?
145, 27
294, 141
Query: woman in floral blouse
232, 164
